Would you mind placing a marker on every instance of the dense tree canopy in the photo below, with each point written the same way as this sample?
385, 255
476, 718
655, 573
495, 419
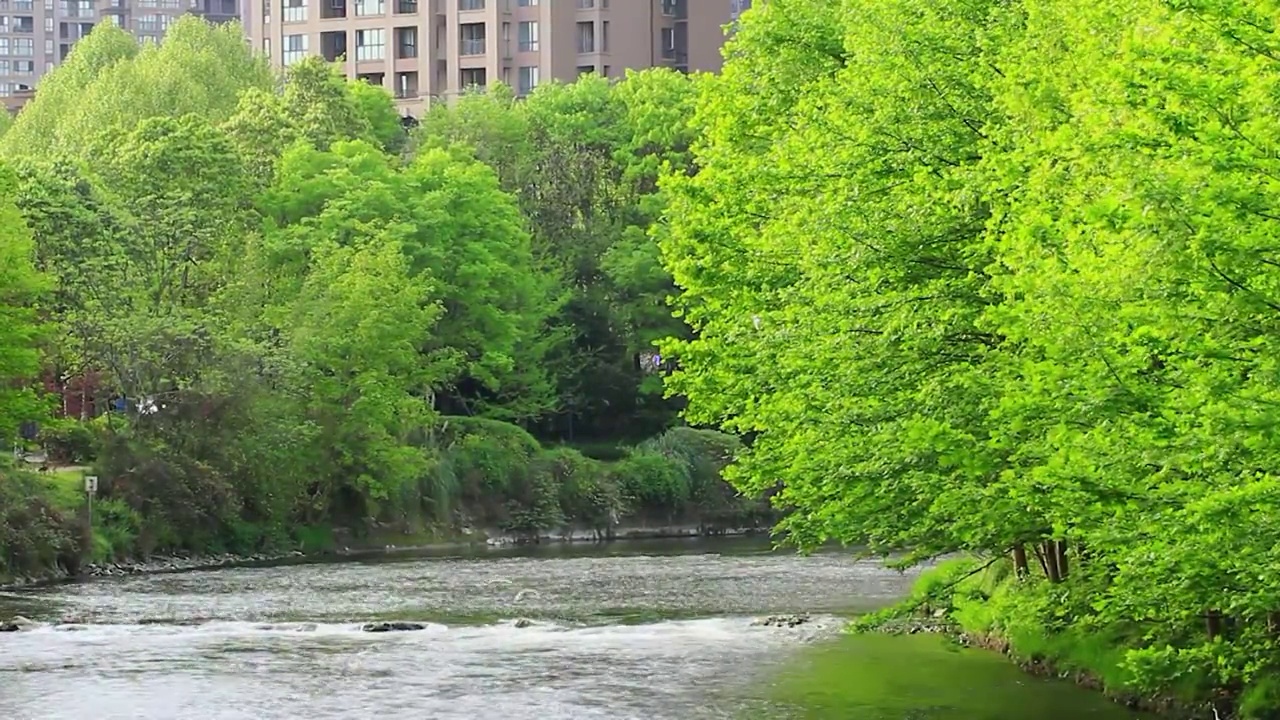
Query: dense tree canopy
997, 277
20, 288
277, 314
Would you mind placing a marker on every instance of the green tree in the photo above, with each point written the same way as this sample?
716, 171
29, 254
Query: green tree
455, 226
200, 68
21, 287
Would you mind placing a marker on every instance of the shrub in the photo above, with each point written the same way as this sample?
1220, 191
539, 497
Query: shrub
34, 534
588, 494
653, 481
69, 441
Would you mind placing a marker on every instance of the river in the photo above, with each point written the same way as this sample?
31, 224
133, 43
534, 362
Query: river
643, 631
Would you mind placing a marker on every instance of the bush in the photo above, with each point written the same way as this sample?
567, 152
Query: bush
69, 441
653, 481
484, 462
34, 535
588, 494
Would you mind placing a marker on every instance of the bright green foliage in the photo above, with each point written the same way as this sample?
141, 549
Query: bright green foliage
261, 130
318, 99
297, 325
998, 277
199, 68
376, 106
455, 226
583, 160
62, 90
6, 122
20, 289
356, 327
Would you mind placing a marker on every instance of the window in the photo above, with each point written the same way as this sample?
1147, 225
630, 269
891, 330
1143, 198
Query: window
48, 24
528, 79
24, 46
604, 36
370, 44
266, 46
669, 8
24, 67
406, 84
406, 7
586, 4
294, 48
295, 10
331, 9
529, 36
586, 37
4, 67
370, 7
4, 46
586, 70
48, 44
470, 4
24, 24
472, 35
471, 78
149, 23
407, 42
527, 3
668, 43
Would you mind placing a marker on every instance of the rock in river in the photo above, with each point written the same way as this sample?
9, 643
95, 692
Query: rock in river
17, 623
788, 621
377, 627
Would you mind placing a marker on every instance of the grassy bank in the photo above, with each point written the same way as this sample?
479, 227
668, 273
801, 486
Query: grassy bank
479, 475
1033, 622
875, 677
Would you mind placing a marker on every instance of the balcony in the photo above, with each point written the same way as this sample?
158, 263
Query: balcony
333, 9
333, 45
406, 7
471, 46
406, 85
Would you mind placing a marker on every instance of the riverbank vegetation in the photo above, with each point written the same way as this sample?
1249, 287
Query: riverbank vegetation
1000, 278
265, 310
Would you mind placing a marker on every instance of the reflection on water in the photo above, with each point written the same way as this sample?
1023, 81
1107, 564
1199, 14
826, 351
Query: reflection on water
653, 630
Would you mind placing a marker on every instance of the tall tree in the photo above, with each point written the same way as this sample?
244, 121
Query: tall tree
21, 286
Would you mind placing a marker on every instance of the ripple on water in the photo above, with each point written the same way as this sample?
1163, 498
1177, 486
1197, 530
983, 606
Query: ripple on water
240, 643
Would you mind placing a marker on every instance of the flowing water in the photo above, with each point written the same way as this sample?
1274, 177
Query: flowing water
652, 631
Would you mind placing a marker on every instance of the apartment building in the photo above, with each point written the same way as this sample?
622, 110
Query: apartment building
422, 50
36, 35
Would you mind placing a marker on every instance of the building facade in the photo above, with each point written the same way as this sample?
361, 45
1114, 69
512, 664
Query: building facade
36, 35
436, 49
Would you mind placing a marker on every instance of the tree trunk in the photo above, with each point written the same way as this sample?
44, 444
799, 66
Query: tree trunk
1054, 573
1039, 550
1020, 561
1060, 547
1213, 624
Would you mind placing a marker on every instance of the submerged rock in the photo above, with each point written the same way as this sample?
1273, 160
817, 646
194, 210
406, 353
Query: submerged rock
380, 627
17, 624
523, 623
787, 621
